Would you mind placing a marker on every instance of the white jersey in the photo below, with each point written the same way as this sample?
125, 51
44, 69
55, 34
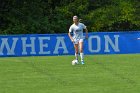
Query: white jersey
77, 30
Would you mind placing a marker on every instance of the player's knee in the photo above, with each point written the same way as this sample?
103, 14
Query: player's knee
81, 50
76, 52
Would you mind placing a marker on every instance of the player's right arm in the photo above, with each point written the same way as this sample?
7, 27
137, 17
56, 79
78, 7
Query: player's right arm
70, 36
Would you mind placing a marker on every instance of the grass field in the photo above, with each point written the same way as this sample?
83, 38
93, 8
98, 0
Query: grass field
55, 74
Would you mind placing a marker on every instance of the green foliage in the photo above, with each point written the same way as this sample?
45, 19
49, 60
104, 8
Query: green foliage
116, 16
51, 16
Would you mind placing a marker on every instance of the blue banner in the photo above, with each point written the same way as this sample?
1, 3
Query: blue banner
60, 44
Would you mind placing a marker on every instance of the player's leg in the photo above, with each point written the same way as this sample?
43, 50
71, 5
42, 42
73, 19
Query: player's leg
76, 52
81, 51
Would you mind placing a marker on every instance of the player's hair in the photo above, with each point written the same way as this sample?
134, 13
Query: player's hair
80, 20
76, 17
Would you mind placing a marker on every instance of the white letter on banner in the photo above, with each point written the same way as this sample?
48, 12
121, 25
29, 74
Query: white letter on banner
32, 45
41, 39
90, 43
108, 41
10, 51
60, 40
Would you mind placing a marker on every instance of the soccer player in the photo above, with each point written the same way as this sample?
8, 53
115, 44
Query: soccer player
77, 38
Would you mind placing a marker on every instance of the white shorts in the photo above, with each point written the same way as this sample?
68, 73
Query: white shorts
76, 41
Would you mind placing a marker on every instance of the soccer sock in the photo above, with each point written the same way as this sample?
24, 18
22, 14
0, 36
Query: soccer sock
82, 56
76, 56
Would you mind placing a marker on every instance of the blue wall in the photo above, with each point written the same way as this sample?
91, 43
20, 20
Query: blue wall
60, 44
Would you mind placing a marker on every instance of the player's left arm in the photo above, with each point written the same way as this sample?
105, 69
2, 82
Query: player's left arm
86, 30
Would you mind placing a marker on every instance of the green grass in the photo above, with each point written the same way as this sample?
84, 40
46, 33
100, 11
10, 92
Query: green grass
55, 74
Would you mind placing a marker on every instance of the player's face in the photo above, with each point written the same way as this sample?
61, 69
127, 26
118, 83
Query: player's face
75, 20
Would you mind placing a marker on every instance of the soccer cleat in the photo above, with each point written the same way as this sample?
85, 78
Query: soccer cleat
82, 62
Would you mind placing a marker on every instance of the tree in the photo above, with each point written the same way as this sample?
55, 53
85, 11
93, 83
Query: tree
55, 16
